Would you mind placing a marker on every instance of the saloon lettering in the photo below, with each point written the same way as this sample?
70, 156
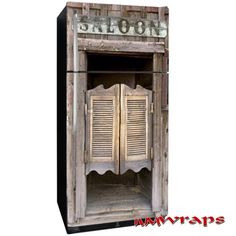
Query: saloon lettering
121, 26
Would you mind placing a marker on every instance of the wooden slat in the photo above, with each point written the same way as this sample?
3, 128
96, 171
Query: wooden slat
80, 138
69, 35
74, 4
135, 129
133, 8
102, 128
165, 161
152, 9
102, 146
157, 138
114, 7
120, 46
69, 151
161, 17
164, 98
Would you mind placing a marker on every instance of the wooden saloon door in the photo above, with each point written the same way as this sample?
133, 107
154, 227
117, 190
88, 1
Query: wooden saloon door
135, 130
102, 151
118, 129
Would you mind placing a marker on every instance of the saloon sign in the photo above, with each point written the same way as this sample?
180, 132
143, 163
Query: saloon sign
121, 26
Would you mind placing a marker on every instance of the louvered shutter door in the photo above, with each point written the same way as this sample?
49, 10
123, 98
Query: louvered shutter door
102, 149
135, 132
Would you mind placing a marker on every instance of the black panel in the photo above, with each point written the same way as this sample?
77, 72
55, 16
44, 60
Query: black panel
71, 230
61, 115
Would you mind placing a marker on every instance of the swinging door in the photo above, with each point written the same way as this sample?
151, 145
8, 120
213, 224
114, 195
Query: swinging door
135, 129
119, 134
102, 141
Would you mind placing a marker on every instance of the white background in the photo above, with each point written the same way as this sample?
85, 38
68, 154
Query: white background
202, 117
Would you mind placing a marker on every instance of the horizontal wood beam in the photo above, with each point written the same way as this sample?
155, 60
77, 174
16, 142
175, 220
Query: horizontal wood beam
120, 46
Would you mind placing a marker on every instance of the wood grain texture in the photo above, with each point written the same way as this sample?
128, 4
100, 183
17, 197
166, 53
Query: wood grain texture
69, 152
69, 35
120, 46
157, 138
102, 130
161, 17
164, 90
80, 137
135, 143
165, 161
107, 198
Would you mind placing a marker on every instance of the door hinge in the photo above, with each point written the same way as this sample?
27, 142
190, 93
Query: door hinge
85, 109
151, 152
151, 108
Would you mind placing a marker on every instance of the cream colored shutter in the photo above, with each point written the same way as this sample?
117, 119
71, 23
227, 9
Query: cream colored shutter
102, 124
135, 140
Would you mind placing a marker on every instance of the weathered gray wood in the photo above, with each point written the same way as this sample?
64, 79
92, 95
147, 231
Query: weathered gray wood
144, 179
135, 143
165, 160
161, 17
74, 4
69, 152
130, 26
163, 11
106, 198
120, 46
152, 16
81, 87
69, 40
128, 178
164, 98
157, 138
102, 129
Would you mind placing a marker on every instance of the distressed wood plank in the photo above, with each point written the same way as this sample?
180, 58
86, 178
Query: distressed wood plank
114, 7
120, 46
69, 152
74, 4
107, 198
157, 138
81, 87
152, 9
69, 36
161, 17
164, 98
165, 161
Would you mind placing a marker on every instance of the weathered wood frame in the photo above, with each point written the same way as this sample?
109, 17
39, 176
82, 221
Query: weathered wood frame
76, 178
